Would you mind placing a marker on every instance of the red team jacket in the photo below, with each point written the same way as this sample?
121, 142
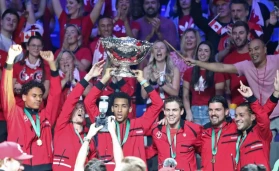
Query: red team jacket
66, 142
188, 140
134, 145
224, 159
20, 129
256, 147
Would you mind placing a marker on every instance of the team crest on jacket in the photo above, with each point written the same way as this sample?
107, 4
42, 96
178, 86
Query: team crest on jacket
159, 134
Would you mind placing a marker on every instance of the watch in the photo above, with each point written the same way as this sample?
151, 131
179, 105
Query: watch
86, 139
162, 83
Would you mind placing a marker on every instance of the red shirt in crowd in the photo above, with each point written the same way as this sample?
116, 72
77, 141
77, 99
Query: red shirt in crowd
232, 58
84, 23
184, 23
81, 53
97, 50
119, 28
201, 93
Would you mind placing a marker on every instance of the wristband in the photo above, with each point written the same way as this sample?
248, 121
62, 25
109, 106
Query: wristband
143, 82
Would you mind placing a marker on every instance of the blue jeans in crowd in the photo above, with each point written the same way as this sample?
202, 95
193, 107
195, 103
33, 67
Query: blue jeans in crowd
200, 114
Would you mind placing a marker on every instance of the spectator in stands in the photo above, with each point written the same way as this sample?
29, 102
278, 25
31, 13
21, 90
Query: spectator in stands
121, 84
33, 136
223, 18
70, 126
240, 36
253, 125
216, 148
31, 67
239, 11
202, 84
75, 16
9, 23
122, 24
69, 74
105, 29
182, 18
259, 72
155, 27
189, 42
73, 42
161, 73
130, 132
182, 137
11, 156
136, 9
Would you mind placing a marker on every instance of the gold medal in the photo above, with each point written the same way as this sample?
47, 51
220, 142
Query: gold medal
39, 142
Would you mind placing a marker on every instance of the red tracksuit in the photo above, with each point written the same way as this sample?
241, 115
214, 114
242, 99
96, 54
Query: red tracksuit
256, 146
187, 138
66, 142
225, 147
134, 145
20, 129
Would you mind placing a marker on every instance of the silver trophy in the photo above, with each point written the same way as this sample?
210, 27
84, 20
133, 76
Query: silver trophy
124, 52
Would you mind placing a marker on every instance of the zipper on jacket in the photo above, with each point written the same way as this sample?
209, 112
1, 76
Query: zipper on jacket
212, 164
233, 163
189, 166
139, 152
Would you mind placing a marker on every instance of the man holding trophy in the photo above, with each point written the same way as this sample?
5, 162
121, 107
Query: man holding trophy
130, 132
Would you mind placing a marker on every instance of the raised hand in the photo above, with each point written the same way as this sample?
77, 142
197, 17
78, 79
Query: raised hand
13, 52
96, 69
190, 61
139, 75
93, 130
163, 121
111, 124
47, 56
245, 91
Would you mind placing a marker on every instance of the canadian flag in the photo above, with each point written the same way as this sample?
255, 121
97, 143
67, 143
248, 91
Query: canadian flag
26, 35
256, 14
216, 26
277, 50
258, 29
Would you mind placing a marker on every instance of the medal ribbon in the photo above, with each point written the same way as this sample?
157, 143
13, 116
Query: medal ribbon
238, 144
213, 147
80, 139
37, 126
173, 153
126, 132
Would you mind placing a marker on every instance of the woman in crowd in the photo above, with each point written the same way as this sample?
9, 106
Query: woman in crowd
75, 16
161, 73
69, 74
73, 42
189, 42
122, 24
31, 67
202, 84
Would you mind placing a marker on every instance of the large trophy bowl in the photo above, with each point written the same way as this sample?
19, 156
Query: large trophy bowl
124, 52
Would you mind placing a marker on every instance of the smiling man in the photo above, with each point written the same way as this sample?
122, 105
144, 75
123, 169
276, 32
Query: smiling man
259, 72
130, 132
179, 139
252, 120
218, 137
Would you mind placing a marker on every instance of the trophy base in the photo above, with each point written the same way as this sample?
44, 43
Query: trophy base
123, 72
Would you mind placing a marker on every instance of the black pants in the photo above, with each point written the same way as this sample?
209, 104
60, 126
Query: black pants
3, 131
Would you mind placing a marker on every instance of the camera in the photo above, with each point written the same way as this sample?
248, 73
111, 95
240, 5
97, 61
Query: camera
102, 118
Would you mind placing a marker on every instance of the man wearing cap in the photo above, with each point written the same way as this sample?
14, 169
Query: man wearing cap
11, 156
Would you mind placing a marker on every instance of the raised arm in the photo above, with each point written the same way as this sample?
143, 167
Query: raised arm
215, 67
57, 7
31, 15
41, 11
94, 94
95, 13
152, 111
7, 96
262, 113
82, 154
172, 88
117, 150
186, 100
3, 6
51, 109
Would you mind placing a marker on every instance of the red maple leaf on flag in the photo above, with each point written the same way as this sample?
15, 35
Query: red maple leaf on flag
216, 26
33, 27
254, 17
27, 36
